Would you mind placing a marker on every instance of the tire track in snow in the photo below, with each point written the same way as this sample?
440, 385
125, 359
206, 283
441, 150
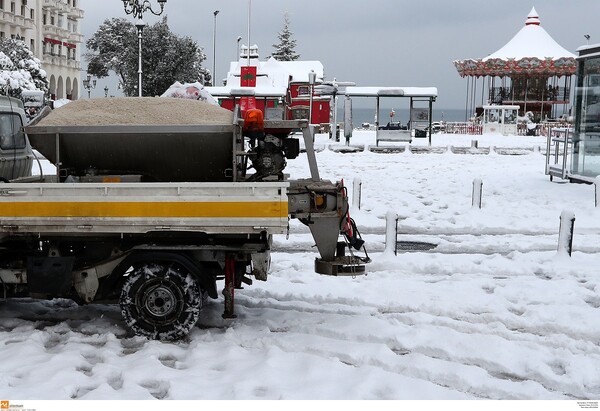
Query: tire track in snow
435, 352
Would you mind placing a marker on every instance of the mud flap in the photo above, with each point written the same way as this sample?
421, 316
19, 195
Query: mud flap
50, 276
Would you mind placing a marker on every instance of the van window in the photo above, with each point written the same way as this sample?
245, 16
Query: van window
11, 132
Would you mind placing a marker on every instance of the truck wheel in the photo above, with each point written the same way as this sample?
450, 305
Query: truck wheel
161, 301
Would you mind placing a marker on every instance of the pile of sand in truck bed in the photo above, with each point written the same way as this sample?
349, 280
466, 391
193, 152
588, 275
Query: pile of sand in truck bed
137, 111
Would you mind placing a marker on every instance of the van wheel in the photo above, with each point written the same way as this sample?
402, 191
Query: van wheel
161, 301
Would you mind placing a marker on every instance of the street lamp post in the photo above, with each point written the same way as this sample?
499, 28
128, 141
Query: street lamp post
89, 85
137, 9
312, 77
214, 47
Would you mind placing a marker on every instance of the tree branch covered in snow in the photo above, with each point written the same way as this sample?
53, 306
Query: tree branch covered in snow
19, 69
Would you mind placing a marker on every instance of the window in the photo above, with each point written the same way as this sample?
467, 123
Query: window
32, 14
2, 4
304, 91
11, 132
32, 45
13, 7
2, 34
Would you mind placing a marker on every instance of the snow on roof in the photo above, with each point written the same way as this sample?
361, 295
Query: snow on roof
271, 75
531, 41
392, 91
258, 91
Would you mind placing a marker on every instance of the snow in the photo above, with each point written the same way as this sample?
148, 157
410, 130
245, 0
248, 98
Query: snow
494, 311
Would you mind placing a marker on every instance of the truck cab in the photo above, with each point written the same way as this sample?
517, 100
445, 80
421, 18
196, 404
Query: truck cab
16, 155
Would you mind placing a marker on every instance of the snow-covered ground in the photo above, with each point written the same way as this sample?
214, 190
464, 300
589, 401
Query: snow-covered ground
492, 312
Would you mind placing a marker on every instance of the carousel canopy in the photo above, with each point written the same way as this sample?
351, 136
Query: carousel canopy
532, 51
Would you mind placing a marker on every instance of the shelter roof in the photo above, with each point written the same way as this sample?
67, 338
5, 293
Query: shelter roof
391, 91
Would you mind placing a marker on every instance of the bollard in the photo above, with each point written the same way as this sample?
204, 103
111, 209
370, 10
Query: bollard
477, 193
391, 232
565, 233
357, 193
597, 187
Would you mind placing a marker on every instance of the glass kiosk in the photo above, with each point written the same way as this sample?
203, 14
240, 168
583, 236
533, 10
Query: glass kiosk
585, 160
500, 119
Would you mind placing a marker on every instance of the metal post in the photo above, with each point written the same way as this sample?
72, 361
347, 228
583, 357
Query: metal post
215, 47
137, 9
565, 234
312, 77
391, 232
140, 27
229, 290
597, 187
477, 193
357, 193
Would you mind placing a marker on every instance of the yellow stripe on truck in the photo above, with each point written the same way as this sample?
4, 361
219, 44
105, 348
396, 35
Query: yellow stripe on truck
274, 209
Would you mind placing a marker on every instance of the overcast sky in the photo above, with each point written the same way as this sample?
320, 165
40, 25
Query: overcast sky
373, 43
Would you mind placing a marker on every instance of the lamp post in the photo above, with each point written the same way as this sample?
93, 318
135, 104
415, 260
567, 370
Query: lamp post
214, 47
312, 77
137, 9
105, 91
89, 85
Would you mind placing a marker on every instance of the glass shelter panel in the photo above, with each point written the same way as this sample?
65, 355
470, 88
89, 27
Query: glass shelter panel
510, 116
586, 139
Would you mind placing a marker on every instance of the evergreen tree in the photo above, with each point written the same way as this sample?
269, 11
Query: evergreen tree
19, 69
284, 50
166, 57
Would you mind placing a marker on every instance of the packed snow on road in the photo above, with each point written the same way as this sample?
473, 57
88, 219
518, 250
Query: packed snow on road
479, 303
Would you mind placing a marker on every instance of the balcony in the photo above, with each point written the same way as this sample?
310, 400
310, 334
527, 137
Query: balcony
12, 19
51, 4
50, 30
75, 37
29, 23
75, 13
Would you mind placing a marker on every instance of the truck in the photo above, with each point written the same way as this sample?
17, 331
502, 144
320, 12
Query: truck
16, 154
152, 216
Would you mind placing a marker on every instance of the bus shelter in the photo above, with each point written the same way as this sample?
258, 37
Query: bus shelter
421, 107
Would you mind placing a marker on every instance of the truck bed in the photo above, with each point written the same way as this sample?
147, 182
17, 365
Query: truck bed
93, 208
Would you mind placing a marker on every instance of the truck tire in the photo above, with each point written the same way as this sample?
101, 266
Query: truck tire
161, 301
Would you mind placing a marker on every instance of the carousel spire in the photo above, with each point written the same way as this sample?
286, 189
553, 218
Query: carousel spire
533, 19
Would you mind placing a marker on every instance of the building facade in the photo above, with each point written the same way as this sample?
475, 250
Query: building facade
51, 29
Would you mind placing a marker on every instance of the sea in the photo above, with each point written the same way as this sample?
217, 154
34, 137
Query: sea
367, 115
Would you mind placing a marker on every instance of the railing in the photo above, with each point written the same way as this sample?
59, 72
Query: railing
471, 128
498, 95
463, 128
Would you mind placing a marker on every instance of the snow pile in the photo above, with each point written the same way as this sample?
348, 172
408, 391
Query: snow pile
493, 311
192, 91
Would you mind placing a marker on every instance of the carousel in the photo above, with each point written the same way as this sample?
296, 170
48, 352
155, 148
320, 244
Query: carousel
531, 71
